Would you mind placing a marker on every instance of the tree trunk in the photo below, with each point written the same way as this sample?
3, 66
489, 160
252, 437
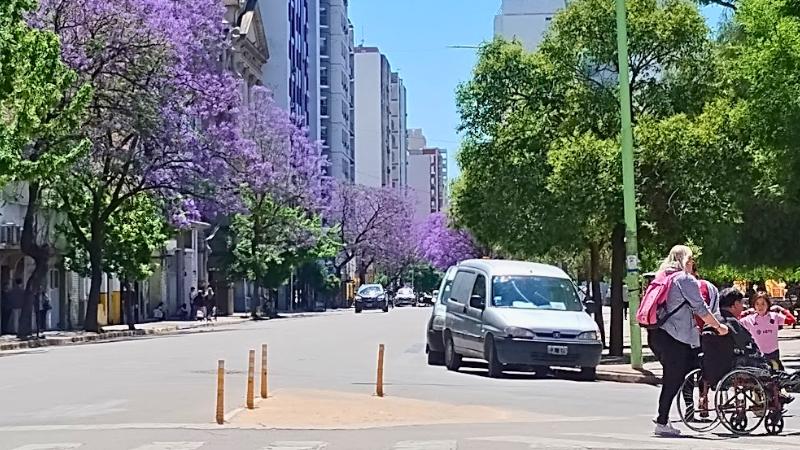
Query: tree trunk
594, 255
96, 281
40, 253
255, 300
33, 292
617, 294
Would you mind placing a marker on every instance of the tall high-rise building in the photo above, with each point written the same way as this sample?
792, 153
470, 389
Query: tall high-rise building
427, 175
373, 151
337, 119
292, 72
526, 20
397, 133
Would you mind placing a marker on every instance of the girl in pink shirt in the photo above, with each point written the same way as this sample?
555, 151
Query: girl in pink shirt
763, 322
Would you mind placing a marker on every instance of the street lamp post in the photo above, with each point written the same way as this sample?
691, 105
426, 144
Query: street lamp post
629, 192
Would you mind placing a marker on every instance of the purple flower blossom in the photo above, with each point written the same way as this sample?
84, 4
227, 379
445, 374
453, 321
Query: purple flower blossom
443, 246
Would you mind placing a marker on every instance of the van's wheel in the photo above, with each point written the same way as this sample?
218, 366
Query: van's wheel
495, 366
452, 360
435, 358
588, 374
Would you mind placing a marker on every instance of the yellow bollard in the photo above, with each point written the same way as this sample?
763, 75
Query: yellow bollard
221, 391
250, 373
379, 383
264, 371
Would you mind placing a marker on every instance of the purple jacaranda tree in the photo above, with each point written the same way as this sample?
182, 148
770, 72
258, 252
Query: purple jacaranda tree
397, 252
369, 219
442, 245
163, 116
284, 189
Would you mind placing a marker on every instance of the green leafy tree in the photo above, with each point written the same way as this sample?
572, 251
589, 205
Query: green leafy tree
761, 59
272, 239
547, 124
136, 232
40, 109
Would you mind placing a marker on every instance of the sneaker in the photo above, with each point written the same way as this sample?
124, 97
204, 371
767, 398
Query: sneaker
786, 399
666, 430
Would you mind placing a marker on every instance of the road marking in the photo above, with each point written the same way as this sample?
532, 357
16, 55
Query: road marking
554, 443
426, 445
708, 441
296, 445
171, 446
57, 446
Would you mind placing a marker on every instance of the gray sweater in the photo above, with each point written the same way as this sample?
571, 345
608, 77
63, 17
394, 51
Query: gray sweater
681, 325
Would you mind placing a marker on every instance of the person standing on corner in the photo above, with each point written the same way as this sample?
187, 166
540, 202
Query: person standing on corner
675, 339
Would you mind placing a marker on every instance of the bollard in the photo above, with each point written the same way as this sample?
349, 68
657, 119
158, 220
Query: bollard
250, 373
221, 391
379, 383
264, 371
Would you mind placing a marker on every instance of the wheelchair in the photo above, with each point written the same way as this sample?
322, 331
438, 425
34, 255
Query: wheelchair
741, 401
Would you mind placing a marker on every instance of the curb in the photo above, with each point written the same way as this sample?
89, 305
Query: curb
99, 337
637, 378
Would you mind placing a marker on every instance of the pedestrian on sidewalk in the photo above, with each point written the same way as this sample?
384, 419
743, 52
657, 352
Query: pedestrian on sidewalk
675, 339
211, 304
192, 303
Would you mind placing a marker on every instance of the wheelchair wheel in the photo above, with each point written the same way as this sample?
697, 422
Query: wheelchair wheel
741, 402
695, 402
774, 422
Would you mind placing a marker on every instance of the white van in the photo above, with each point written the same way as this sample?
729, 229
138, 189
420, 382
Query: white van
518, 315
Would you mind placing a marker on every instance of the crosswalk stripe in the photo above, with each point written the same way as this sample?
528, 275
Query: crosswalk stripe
426, 445
708, 441
171, 446
296, 445
559, 443
55, 446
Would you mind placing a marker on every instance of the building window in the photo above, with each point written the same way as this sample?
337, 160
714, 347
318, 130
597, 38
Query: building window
323, 106
323, 17
54, 279
323, 76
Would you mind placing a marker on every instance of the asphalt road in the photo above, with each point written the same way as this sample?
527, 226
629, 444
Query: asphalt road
158, 394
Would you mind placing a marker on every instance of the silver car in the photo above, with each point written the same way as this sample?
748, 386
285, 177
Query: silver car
518, 316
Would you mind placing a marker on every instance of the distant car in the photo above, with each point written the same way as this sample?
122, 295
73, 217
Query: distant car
371, 296
518, 316
405, 296
435, 345
425, 299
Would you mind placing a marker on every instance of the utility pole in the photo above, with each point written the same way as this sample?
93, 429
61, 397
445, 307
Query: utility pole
629, 191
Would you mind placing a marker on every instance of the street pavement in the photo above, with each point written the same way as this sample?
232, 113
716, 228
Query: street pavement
158, 393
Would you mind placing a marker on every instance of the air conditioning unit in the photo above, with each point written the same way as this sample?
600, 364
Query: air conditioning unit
10, 234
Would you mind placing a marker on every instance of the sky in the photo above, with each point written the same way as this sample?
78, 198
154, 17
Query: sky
415, 35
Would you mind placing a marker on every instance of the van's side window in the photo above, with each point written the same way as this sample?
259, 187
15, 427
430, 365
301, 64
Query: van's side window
462, 286
480, 287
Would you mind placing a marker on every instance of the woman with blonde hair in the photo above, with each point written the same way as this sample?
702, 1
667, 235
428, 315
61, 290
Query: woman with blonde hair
675, 339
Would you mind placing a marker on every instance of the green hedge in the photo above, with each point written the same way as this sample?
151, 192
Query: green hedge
727, 274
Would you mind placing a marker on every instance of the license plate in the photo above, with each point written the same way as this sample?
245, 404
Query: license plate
559, 350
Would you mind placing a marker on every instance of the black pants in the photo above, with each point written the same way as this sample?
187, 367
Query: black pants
677, 360
774, 359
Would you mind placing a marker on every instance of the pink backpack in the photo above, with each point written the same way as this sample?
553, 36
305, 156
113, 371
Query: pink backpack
654, 297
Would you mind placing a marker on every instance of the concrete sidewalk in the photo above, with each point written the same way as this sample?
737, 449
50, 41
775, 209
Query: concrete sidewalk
10, 343
618, 369
55, 338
